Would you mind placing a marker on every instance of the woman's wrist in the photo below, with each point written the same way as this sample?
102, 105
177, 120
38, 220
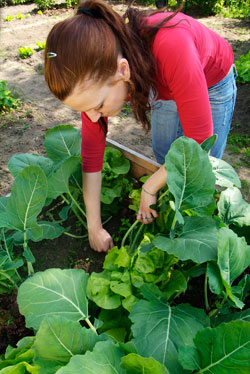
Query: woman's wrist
148, 192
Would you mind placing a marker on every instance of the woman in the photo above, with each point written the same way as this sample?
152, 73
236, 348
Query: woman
168, 63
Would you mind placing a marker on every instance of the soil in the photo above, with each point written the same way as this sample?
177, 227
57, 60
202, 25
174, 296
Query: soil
23, 131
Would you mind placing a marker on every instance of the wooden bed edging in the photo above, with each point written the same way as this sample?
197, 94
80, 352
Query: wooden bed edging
140, 165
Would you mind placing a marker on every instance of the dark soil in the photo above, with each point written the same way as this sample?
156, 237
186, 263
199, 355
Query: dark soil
12, 323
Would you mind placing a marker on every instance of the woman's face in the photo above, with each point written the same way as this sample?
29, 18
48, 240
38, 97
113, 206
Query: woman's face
101, 99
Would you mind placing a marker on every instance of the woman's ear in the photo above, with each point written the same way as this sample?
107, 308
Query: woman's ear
123, 69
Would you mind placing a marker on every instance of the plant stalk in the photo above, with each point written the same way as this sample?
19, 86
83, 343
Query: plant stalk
75, 236
128, 232
75, 211
91, 326
205, 291
25, 246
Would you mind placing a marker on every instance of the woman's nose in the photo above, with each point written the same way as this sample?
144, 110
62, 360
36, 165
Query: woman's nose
94, 115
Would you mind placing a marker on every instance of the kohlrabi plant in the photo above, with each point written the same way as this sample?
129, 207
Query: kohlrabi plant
130, 318
41, 180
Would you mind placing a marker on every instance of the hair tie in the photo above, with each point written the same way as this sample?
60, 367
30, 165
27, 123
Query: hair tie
89, 12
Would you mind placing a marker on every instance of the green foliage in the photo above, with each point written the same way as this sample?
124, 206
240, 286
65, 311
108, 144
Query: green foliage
40, 45
39, 180
243, 68
19, 16
7, 101
44, 4
25, 52
8, 18
132, 320
9, 277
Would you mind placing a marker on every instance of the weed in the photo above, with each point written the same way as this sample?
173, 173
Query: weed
7, 101
8, 18
19, 16
239, 140
25, 52
40, 45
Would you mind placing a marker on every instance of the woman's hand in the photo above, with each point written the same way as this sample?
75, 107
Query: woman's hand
149, 195
145, 213
100, 240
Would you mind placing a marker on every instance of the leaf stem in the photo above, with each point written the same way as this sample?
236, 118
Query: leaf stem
163, 195
205, 291
75, 236
128, 232
91, 326
75, 211
136, 237
25, 247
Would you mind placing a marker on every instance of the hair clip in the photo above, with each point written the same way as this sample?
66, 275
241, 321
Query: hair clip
51, 54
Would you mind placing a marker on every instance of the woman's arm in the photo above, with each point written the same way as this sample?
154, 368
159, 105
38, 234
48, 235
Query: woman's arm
149, 195
99, 238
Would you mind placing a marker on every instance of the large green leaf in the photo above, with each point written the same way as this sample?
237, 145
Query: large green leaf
18, 162
190, 178
51, 230
197, 241
28, 195
62, 142
233, 258
58, 183
58, 339
233, 209
159, 330
3, 214
99, 290
105, 359
116, 161
243, 315
224, 349
54, 291
135, 364
224, 173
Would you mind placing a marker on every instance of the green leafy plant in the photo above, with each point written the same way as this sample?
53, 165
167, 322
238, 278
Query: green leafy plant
132, 317
8, 18
25, 52
41, 180
243, 68
44, 4
19, 16
7, 101
40, 45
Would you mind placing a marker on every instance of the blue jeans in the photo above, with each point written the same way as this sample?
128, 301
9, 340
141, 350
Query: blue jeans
166, 126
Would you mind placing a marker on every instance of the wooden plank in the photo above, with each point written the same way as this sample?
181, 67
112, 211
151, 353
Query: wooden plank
140, 165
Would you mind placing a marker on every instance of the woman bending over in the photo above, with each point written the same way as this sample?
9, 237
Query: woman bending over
168, 64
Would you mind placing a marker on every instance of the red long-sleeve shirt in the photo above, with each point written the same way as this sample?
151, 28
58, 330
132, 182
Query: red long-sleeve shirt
189, 59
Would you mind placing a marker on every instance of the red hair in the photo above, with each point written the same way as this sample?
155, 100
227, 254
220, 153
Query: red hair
87, 47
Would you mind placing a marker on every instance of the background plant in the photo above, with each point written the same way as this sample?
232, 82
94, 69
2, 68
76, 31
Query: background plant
243, 68
40, 45
25, 52
8, 101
